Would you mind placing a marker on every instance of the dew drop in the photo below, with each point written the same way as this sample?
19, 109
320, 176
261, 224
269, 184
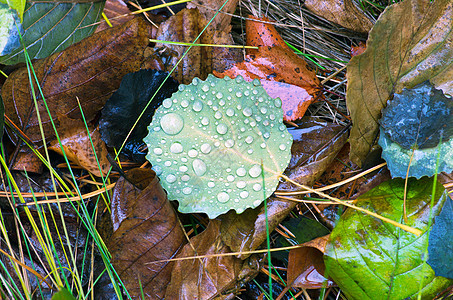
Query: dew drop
187, 190
256, 82
195, 81
263, 145
247, 111
272, 117
229, 143
222, 128
263, 110
170, 178
219, 95
256, 202
223, 197
167, 163
241, 172
278, 102
255, 171
205, 148
176, 148
185, 177
181, 87
241, 184
238, 94
205, 121
250, 151
211, 184
244, 194
157, 151
249, 139
156, 128
230, 178
183, 159
157, 169
199, 167
218, 115
205, 88
172, 123
282, 147
257, 187
266, 135
184, 103
230, 112
247, 93
167, 103
183, 169
197, 106
192, 153
258, 118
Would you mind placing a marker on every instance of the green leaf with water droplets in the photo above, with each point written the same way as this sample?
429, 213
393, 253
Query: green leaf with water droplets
218, 145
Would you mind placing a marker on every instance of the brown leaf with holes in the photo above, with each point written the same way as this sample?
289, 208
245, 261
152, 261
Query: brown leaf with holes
147, 230
306, 265
316, 144
77, 146
341, 12
274, 61
211, 277
90, 70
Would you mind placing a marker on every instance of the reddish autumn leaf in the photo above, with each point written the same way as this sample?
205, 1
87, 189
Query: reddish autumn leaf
277, 63
306, 265
147, 230
357, 50
77, 145
261, 34
214, 277
90, 70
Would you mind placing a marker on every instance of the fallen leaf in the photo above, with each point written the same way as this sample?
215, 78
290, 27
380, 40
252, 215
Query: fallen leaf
341, 12
247, 231
306, 267
410, 43
357, 50
123, 108
208, 8
116, 12
52, 26
261, 34
279, 64
371, 259
148, 230
77, 146
91, 70
211, 277
440, 248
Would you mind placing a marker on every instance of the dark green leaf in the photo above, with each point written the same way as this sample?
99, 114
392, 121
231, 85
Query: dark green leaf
63, 294
125, 105
419, 117
51, 26
370, 259
440, 247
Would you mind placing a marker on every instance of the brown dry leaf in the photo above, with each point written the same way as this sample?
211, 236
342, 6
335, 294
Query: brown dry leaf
306, 265
77, 146
209, 277
184, 27
90, 70
116, 12
274, 61
315, 145
341, 12
357, 50
208, 9
410, 43
148, 230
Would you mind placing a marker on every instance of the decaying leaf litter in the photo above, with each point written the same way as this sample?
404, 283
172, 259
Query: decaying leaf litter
224, 236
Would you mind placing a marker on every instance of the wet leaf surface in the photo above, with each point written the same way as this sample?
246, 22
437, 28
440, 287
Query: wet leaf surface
78, 148
209, 277
147, 230
440, 248
309, 160
370, 259
91, 70
344, 13
274, 61
409, 44
52, 26
219, 145
125, 106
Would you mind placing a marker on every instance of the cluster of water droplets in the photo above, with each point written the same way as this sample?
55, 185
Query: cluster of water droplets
218, 145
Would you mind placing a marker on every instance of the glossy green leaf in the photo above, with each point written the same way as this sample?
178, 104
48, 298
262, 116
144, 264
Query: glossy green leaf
440, 249
219, 144
63, 294
51, 26
370, 259
423, 163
